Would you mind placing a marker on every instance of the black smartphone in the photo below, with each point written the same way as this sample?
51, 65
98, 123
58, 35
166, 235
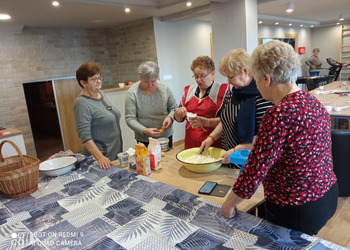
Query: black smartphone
207, 187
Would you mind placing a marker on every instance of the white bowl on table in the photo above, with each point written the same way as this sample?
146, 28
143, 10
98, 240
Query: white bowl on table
328, 108
57, 166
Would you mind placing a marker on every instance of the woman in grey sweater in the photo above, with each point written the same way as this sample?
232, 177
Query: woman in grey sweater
150, 105
97, 121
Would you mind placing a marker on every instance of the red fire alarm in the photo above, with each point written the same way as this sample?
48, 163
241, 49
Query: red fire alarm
301, 50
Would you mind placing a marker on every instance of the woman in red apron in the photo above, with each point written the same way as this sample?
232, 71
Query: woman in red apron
201, 103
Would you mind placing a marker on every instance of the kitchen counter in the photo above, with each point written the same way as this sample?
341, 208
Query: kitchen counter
15, 136
8, 132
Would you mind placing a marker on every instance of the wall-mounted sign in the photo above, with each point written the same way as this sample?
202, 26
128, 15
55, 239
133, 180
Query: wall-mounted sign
301, 50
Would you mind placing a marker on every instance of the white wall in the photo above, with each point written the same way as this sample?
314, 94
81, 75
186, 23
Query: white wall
178, 44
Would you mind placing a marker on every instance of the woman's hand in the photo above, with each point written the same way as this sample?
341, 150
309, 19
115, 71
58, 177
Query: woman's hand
153, 132
206, 144
226, 156
104, 162
198, 121
167, 123
228, 210
180, 114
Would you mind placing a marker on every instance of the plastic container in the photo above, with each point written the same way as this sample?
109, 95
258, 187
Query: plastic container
239, 157
164, 143
123, 159
132, 162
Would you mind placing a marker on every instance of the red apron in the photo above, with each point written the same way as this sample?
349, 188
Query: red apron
206, 107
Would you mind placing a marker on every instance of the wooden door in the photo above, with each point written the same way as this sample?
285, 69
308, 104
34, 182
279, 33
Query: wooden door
66, 90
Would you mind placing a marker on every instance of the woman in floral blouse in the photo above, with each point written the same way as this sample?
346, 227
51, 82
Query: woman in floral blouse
292, 155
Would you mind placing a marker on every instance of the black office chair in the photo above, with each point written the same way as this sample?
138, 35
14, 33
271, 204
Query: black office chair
341, 159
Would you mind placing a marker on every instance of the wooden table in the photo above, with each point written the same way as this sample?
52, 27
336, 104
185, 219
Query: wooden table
175, 174
335, 99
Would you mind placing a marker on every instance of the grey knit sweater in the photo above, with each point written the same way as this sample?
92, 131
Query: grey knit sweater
149, 111
96, 119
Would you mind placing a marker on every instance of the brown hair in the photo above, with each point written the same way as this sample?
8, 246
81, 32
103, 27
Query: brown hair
87, 70
204, 62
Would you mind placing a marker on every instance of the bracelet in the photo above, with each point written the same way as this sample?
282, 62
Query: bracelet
211, 137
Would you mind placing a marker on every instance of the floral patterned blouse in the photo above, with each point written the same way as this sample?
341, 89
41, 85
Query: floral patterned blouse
292, 156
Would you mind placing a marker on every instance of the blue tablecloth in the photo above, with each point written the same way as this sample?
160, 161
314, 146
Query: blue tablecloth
91, 208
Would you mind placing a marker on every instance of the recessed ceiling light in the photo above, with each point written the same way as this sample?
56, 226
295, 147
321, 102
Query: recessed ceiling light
338, 23
301, 25
341, 18
290, 24
311, 26
276, 23
188, 4
5, 17
290, 7
55, 3
127, 10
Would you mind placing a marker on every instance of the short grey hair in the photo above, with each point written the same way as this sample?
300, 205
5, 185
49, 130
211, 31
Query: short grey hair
276, 59
148, 70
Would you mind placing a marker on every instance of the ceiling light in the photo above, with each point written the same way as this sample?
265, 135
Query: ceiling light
290, 24
341, 18
127, 10
311, 26
260, 22
301, 25
277, 23
290, 7
55, 3
188, 4
5, 17
338, 23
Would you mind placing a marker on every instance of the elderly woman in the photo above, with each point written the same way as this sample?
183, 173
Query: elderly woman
150, 105
292, 154
314, 62
243, 107
97, 121
203, 99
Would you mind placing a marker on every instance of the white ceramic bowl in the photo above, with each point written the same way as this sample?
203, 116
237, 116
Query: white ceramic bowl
328, 108
338, 109
57, 166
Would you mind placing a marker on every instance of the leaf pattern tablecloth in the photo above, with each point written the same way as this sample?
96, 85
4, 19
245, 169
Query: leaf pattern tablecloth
93, 208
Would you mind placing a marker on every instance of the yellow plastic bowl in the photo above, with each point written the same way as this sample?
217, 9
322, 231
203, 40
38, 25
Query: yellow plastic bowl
183, 155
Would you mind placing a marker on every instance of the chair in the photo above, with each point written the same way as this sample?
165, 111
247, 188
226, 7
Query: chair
341, 159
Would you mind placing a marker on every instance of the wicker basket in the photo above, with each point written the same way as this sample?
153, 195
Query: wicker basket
19, 175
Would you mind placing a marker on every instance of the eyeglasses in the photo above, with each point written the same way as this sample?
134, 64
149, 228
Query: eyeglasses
196, 77
94, 79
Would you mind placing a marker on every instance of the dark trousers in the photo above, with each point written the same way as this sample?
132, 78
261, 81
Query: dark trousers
308, 218
170, 142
